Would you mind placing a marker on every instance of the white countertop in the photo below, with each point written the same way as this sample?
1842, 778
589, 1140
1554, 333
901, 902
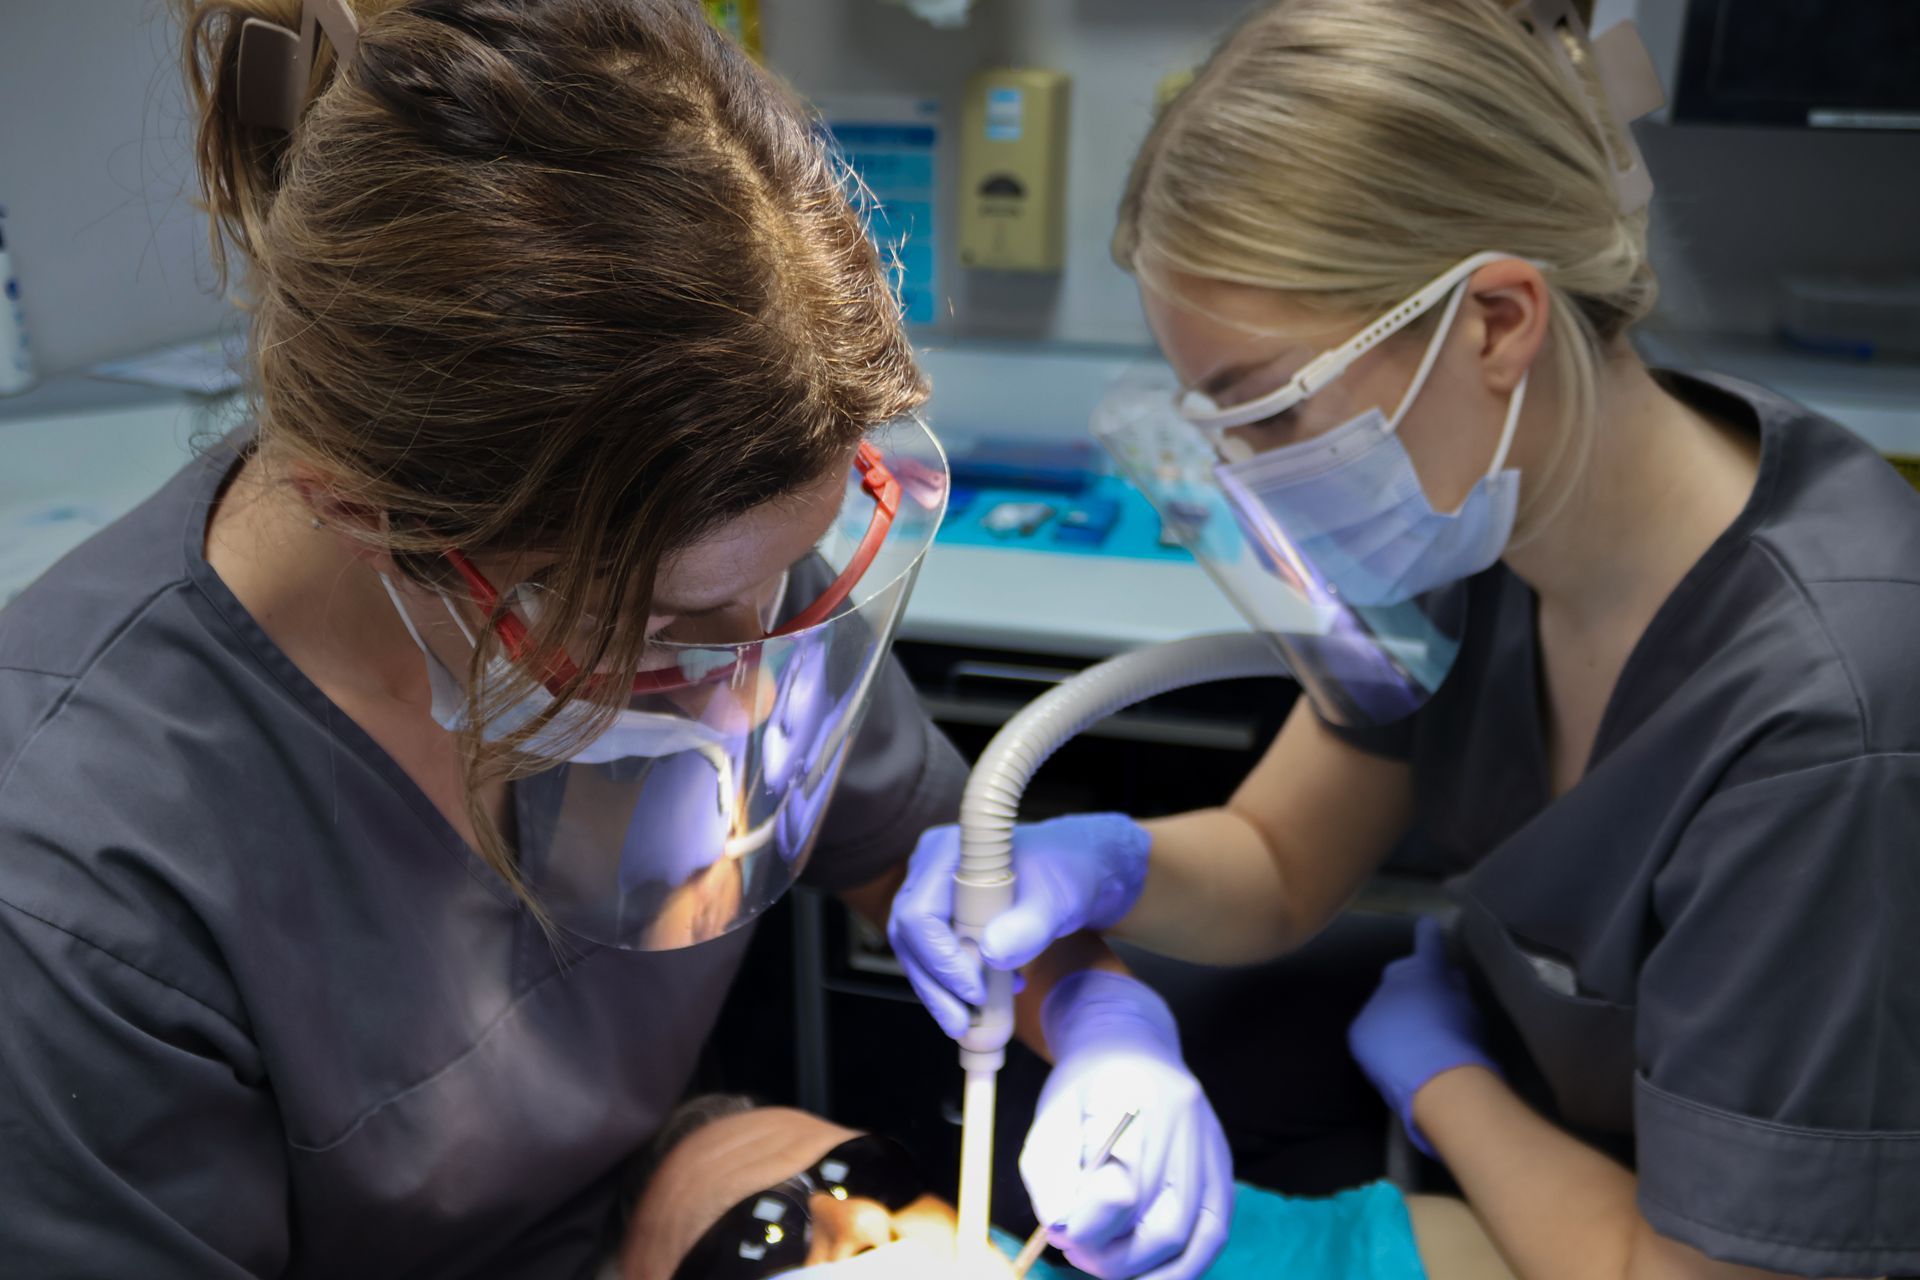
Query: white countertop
1878, 401
78, 454
98, 448
90, 458
1072, 606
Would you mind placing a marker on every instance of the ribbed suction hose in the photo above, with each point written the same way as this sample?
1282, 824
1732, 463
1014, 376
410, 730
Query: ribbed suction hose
983, 884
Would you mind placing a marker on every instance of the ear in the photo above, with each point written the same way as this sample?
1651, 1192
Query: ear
356, 527
1509, 304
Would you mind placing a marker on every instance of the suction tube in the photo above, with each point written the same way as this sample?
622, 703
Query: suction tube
983, 885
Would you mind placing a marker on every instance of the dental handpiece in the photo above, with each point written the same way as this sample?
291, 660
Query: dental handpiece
980, 895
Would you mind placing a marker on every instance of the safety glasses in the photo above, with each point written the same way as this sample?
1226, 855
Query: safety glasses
557, 671
771, 1231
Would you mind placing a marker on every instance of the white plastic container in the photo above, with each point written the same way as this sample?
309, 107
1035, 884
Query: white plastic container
16, 361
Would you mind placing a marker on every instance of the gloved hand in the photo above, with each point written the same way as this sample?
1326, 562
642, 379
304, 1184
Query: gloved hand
1074, 873
1419, 1022
1160, 1206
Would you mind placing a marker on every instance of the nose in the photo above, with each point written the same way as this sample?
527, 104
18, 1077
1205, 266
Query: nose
843, 1228
1237, 444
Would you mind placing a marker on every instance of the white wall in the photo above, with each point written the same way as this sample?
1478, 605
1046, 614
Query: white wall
1115, 50
94, 174
94, 168
1736, 207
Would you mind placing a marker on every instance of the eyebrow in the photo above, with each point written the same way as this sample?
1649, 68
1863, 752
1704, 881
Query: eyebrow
700, 612
1220, 379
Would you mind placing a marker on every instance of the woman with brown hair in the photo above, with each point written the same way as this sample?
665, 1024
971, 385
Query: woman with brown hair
363, 793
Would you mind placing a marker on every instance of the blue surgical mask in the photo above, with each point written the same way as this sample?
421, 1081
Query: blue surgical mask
1350, 503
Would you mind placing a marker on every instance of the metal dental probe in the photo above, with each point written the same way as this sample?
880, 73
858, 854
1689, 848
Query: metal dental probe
1038, 1240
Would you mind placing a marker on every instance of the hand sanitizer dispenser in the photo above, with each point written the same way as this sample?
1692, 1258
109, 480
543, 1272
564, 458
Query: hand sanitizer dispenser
1013, 170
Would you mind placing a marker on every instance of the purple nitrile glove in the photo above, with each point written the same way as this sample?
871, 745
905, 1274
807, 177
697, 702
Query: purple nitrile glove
1159, 1206
1074, 873
1419, 1022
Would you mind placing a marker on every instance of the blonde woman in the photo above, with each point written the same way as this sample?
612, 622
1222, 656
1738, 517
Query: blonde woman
385, 805
1674, 761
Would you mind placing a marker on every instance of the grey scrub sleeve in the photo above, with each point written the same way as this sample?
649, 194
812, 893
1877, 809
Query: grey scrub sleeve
139, 1136
1787, 980
1704, 958
262, 1012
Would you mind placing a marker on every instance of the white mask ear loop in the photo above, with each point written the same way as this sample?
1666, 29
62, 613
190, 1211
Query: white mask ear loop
1432, 355
771, 614
399, 607
458, 621
1514, 401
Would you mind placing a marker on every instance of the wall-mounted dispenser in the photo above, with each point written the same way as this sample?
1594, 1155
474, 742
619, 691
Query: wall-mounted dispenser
1013, 170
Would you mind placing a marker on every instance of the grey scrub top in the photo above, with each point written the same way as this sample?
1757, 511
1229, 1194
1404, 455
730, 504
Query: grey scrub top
1706, 955
262, 1012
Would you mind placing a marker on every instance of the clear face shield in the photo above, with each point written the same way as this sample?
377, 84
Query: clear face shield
1328, 545
697, 806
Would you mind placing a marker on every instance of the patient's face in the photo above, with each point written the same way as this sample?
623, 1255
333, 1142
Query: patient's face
718, 1166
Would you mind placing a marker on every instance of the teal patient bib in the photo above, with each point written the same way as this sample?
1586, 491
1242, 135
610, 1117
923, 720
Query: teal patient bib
1362, 1234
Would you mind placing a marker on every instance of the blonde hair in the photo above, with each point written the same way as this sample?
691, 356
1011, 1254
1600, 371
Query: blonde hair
573, 277
1349, 151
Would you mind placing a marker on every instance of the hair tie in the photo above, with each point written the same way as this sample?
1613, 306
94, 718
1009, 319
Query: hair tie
1614, 75
276, 64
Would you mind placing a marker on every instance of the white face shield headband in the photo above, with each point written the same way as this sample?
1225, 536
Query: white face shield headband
1373, 576
1350, 500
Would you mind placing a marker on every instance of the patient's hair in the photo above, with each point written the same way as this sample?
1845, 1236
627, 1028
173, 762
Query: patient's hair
687, 1119
570, 277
